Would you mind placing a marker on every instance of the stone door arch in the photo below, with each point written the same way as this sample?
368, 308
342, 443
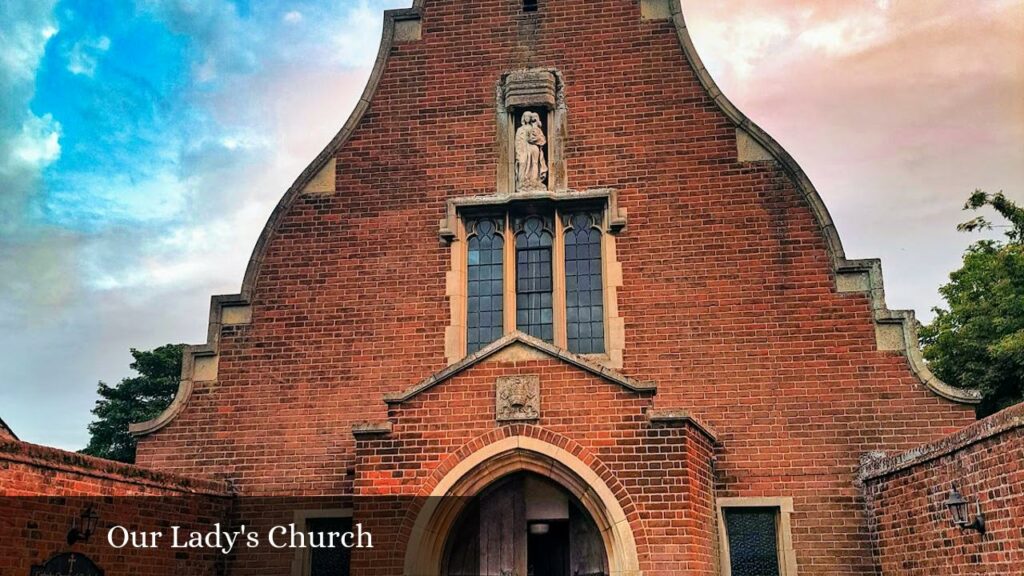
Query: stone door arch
437, 517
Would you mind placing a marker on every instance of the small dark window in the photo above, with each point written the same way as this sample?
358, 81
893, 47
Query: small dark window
329, 561
485, 289
534, 314
529, 5
753, 541
584, 297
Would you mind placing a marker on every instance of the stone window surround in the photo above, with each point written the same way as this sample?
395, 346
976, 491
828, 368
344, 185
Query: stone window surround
453, 231
300, 564
784, 505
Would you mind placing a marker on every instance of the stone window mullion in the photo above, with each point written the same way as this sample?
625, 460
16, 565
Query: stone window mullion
558, 278
510, 277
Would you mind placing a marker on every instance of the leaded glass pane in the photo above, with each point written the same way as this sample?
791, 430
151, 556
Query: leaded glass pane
484, 302
584, 297
329, 561
534, 314
753, 542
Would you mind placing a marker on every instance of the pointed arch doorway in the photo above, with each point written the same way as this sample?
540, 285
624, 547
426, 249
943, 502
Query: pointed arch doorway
524, 524
500, 479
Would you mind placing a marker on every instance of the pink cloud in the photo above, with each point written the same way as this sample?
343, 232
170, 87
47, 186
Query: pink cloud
897, 110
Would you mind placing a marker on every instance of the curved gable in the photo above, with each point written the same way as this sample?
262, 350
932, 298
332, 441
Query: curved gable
895, 330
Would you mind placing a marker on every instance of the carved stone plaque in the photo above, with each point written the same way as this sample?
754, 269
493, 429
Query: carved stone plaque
518, 398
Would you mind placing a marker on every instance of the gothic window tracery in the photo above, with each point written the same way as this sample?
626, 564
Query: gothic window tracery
537, 269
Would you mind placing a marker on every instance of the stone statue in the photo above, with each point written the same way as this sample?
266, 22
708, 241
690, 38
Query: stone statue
531, 165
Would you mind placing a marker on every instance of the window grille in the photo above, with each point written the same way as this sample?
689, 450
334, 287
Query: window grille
584, 298
534, 313
753, 541
485, 289
329, 561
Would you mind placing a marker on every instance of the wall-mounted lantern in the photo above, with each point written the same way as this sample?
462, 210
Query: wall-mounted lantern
958, 506
83, 526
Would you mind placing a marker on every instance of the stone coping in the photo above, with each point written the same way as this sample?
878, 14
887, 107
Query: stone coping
50, 458
5, 430
520, 338
674, 417
1000, 423
371, 429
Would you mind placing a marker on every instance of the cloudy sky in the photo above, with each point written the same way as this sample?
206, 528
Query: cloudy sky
144, 143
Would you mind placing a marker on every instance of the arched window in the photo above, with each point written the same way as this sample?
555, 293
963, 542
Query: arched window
484, 304
534, 315
584, 297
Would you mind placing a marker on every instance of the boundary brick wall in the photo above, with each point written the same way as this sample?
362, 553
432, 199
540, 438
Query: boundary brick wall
43, 490
906, 494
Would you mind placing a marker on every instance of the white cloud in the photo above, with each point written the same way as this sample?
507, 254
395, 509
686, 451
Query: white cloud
23, 47
195, 254
245, 140
84, 55
154, 198
38, 145
360, 34
27, 142
741, 45
207, 71
226, 43
844, 36
293, 17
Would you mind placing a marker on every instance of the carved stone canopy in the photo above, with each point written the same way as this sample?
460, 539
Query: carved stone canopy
530, 88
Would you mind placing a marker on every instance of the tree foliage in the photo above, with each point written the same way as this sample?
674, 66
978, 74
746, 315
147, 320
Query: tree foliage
978, 340
133, 399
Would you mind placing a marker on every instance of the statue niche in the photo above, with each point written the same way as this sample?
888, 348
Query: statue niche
531, 117
531, 153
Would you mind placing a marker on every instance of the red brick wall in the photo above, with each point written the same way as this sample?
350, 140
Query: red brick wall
906, 496
660, 473
43, 490
729, 296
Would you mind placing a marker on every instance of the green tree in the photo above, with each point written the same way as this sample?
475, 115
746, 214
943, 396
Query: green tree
133, 399
978, 342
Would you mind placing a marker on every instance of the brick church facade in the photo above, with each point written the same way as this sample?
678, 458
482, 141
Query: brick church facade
551, 283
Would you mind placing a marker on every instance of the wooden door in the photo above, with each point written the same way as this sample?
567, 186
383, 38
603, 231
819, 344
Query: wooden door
503, 531
492, 538
586, 548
